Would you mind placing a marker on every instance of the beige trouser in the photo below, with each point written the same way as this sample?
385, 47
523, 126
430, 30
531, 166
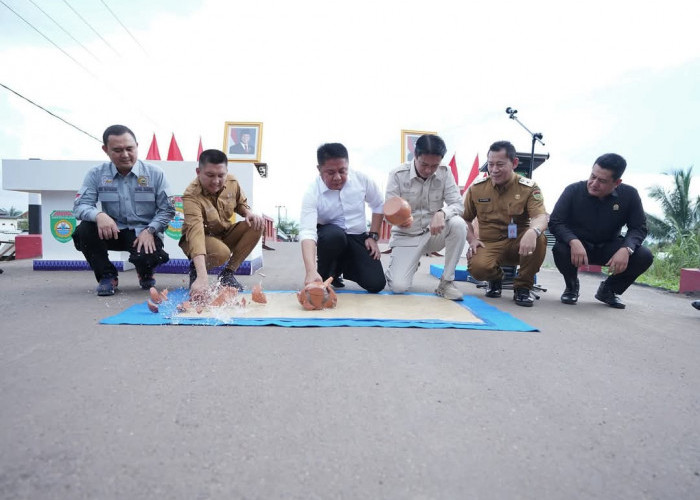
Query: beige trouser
406, 252
233, 246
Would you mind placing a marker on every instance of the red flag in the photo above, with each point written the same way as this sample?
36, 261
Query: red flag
153, 153
473, 174
174, 151
200, 149
453, 167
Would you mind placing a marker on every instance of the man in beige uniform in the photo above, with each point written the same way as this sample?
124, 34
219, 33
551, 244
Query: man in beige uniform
511, 215
209, 237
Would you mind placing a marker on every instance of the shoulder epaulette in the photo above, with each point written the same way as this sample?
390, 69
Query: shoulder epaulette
527, 182
480, 180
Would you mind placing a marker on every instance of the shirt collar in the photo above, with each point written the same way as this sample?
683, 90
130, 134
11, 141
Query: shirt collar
325, 189
137, 169
414, 172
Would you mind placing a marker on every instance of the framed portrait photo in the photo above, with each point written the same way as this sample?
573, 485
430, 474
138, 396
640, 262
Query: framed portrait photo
243, 141
408, 143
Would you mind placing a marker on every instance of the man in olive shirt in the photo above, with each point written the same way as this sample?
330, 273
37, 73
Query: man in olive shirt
511, 215
586, 222
209, 237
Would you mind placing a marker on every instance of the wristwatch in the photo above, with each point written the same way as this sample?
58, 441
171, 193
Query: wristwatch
373, 235
630, 250
537, 231
151, 229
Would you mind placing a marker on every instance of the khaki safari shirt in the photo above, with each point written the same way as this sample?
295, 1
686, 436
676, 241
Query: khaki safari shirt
520, 199
210, 214
437, 192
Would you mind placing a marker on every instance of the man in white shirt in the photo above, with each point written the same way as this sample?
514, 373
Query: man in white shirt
334, 226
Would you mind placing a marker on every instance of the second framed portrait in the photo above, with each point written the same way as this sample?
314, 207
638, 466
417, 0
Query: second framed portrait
408, 143
243, 141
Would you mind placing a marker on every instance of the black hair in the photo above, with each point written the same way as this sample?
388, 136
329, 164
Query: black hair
117, 130
331, 151
429, 144
613, 162
213, 156
500, 145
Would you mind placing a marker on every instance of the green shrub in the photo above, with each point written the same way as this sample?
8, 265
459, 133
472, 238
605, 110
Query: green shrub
670, 258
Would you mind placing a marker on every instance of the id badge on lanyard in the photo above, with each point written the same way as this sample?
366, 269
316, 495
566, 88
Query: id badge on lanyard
512, 230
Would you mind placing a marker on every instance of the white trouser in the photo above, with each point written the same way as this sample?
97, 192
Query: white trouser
406, 252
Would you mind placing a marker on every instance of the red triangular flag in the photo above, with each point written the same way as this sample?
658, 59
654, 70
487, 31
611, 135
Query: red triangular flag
473, 174
200, 149
153, 153
453, 167
174, 151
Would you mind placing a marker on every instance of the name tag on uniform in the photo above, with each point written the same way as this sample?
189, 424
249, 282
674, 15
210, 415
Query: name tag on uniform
512, 231
484, 200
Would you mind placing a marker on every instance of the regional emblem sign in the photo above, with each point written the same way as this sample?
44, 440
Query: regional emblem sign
174, 229
62, 225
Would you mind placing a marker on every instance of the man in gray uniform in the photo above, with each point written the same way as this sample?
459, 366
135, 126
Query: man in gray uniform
136, 209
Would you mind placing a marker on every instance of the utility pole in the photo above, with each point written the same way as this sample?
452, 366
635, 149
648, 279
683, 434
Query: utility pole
278, 213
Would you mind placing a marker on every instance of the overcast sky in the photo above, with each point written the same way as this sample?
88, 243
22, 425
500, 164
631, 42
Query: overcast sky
593, 77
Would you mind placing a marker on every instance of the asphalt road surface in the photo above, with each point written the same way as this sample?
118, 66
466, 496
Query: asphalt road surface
600, 403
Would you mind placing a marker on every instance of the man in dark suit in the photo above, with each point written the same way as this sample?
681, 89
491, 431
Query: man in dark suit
244, 146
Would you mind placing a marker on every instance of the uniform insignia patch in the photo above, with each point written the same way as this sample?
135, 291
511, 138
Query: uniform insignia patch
526, 182
142, 180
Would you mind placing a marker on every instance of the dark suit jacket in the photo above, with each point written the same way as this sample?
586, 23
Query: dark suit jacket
238, 149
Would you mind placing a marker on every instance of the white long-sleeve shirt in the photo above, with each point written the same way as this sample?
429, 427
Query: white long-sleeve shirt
344, 208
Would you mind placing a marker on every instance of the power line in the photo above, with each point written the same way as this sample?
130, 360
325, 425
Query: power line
143, 113
49, 40
49, 112
125, 28
90, 26
107, 84
65, 31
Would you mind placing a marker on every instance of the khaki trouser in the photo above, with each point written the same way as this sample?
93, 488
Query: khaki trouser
406, 252
486, 264
233, 246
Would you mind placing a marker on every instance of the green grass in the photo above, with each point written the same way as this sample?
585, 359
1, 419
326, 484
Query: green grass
669, 259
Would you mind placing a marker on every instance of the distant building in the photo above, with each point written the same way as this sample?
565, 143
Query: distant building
8, 223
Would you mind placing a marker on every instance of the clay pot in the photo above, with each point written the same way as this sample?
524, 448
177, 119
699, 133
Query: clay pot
397, 211
257, 294
317, 296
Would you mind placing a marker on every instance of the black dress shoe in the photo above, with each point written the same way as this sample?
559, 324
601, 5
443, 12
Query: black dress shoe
494, 289
570, 295
695, 304
227, 278
604, 294
523, 297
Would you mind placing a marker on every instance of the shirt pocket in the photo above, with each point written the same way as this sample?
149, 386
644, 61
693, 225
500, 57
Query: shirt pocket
212, 221
109, 200
516, 208
436, 199
144, 203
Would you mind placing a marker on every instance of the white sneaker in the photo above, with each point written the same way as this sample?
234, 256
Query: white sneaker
448, 290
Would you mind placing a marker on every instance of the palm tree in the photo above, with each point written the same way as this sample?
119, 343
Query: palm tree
10, 212
681, 215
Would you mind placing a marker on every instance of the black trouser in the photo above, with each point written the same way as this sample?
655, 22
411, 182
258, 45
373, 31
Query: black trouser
339, 253
87, 240
599, 254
